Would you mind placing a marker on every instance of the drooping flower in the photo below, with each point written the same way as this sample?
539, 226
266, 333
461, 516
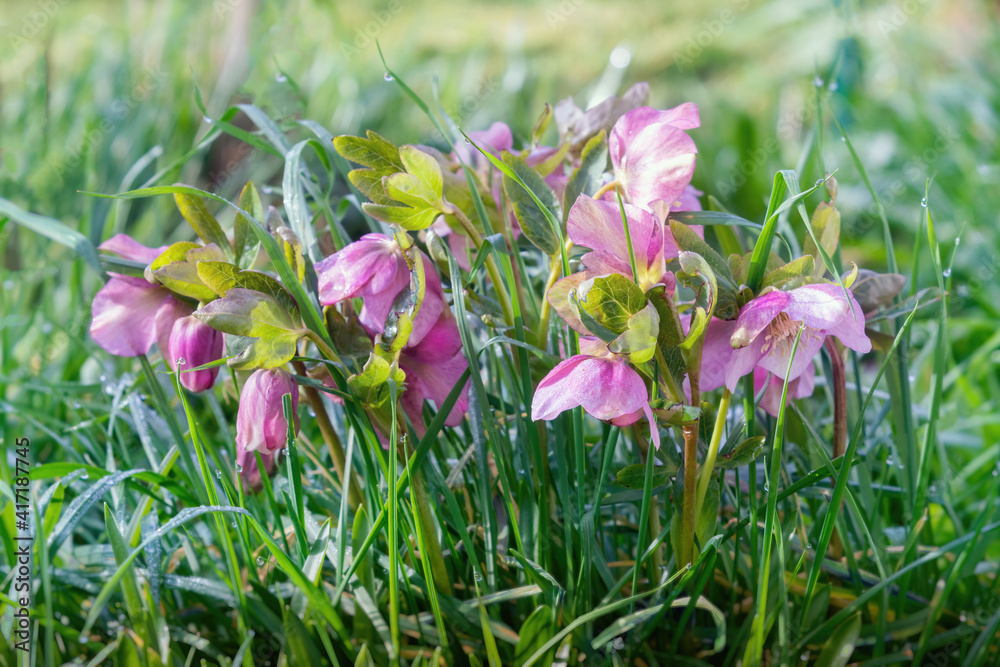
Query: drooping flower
432, 368
197, 344
597, 224
247, 465
260, 421
375, 269
129, 313
653, 158
761, 340
600, 382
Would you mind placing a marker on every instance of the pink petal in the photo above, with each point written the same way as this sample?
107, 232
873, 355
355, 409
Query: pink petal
171, 310
124, 315
433, 367
378, 304
605, 388
656, 164
776, 358
756, 315
597, 224
820, 306
800, 387
126, 247
496, 139
370, 265
689, 201
717, 353
743, 361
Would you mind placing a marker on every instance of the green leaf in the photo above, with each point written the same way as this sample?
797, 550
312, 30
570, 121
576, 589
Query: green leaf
840, 648
707, 519
375, 152
299, 642
250, 202
54, 230
538, 628
204, 223
410, 219
790, 275
670, 335
698, 275
825, 225
587, 177
634, 476
223, 276
421, 184
534, 222
742, 454
727, 304
291, 248
638, 342
371, 388
176, 269
244, 312
541, 124
609, 302
876, 290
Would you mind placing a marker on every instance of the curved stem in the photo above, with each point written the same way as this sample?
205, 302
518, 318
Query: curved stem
713, 451
555, 270
491, 266
607, 187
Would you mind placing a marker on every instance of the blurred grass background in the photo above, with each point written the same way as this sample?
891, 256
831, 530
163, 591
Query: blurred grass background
100, 96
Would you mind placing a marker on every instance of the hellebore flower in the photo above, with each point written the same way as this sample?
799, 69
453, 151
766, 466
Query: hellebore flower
129, 313
375, 269
496, 139
600, 382
246, 463
197, 344
652, 156
260, 422
597, 224
432, 368
760, 340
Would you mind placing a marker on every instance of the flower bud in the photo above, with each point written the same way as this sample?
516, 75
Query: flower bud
260, 422
247, 465
197, 344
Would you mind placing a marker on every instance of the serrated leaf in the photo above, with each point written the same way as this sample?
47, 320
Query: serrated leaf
876, 290
204, 223
223, 276
410, 219
638, 342
244, 312
176, 269
371, 388
534, 223
606, 304
421, 185
634, 476
375, 152
790, 275
742, 454
369, 183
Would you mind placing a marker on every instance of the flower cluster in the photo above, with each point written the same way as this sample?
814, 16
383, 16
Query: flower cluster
655, 315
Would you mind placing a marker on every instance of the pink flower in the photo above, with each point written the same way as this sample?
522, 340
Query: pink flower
763, 335
652, 157
260, 421
800, 387
247, 465
197, 344
375, 269
496, 139
432, 368
597, 380
597, 224
130, 314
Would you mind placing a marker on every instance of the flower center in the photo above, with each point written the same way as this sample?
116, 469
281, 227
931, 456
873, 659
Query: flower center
780, 334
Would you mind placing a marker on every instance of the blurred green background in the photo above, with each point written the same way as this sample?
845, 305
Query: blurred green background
100, 96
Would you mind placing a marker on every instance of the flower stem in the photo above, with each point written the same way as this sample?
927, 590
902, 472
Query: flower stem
491, 266
713, 451
332, 440
325, 349
690, 431
607, 187
555, 270
839, 398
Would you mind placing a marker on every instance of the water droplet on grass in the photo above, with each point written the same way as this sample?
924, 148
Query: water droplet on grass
239, 468
260, 561
280, 78
387, 76
218, 474
947, 272
818, 82
923, 202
